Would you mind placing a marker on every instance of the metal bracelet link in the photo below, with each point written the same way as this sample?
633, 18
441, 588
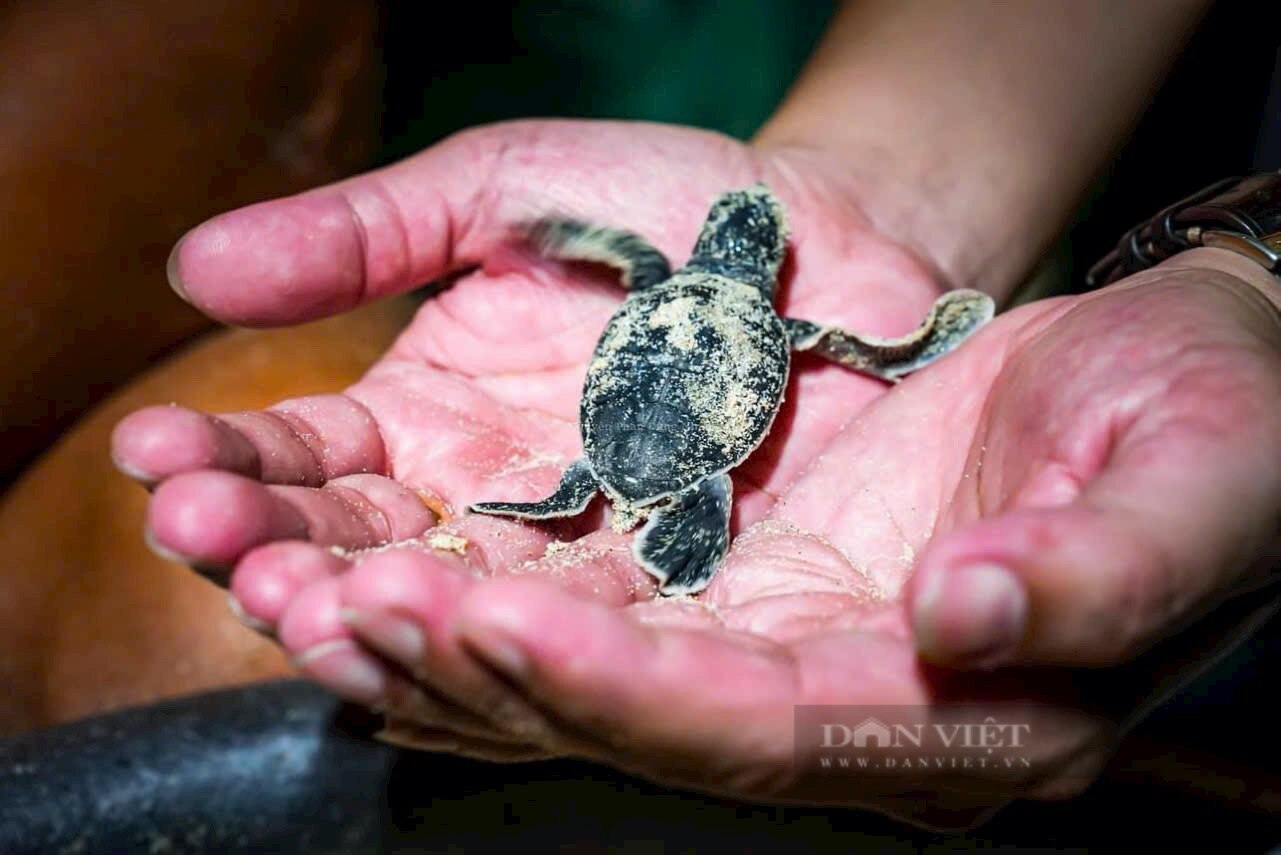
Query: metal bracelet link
1265, 250
1241, 214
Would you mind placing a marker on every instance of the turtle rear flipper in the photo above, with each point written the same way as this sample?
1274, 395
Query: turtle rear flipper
683, 543
642, 265
953, 318
577, 486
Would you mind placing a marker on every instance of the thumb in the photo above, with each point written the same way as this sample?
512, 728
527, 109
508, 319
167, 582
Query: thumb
441, 211
1167, 528
333, 248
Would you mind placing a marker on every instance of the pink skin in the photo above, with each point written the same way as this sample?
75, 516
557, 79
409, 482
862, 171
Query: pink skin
1057, 492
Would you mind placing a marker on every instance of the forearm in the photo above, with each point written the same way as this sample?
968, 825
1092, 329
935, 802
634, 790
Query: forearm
974, 128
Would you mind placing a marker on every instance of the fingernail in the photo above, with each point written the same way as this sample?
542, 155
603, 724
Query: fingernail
500, 651
171, 271
343, 668
164, 552
245, 618
145, 478
406, 737
218, 574
397, 637
973, 616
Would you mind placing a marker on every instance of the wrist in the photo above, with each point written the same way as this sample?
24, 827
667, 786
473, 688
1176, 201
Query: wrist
1246, 272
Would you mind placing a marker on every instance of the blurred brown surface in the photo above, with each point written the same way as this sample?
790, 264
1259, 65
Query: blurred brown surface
90, 619
122, 124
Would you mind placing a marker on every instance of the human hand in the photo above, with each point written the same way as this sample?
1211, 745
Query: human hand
1060, 521
479, 396
811, 607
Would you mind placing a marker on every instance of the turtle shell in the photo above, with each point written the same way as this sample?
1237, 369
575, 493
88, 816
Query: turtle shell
684, 383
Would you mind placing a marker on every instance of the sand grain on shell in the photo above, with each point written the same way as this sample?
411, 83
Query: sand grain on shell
677, 317
723, 395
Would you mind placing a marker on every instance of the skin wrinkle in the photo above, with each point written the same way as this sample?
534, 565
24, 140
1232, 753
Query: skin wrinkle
362, 252
455, 365
514, 710
316, 523
828, 520
495, 394
498, 713
749, 549
787, 586
314, 445
384, 467
486, 194
979, 449
400, 226
558, 731
465, 418
808, 566
373, 516
574, 554
747, 616
412, 702
1199, 277
419, 484
893, 520
257, 462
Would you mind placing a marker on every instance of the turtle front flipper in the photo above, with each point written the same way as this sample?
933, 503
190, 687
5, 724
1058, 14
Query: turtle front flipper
953, 318
577, 486
641, 264
683, 543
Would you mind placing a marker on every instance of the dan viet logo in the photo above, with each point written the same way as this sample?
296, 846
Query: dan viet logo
874, 733
839, 739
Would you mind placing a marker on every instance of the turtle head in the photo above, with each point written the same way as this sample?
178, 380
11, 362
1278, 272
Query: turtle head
744, 237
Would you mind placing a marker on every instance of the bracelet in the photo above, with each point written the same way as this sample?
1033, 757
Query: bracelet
1240, 214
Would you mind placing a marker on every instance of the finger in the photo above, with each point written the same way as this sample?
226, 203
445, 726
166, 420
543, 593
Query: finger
313, 632
402, 604
656, 701
407, 733
303, 441
268, 578
650, 699
445, 209
211, 519
328, 250
323, 633
1120, 562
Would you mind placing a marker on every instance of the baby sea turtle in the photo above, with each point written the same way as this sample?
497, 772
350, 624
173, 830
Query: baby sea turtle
688, 376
